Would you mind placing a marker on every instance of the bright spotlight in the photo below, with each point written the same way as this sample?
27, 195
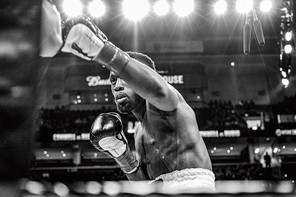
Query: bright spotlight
288, 48
257, 150
265, 6
97, 8
93, 187
285, 82
61, 189
288, 36
284, 74
135, 9
161, 7
183, 8
220, 7
244, 6
72, 8
275, 150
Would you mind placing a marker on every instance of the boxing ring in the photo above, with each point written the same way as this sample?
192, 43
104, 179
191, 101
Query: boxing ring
142, 188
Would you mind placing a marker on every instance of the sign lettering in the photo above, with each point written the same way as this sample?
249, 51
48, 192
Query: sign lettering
174, 79
97, 81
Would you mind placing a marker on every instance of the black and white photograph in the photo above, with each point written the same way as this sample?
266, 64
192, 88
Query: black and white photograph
147, 98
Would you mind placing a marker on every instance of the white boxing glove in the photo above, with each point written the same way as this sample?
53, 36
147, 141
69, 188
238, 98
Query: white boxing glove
82, 38
113, 145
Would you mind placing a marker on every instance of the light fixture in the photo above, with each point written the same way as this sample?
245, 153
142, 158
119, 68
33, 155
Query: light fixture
96, 8
183, 8
265, 6
257, 150
220, 7
285, 82
288, 36
135, 10
244, 6
72, 8
288, 48
161, 7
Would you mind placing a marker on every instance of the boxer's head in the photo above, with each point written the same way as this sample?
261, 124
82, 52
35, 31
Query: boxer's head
145, 59
126, 98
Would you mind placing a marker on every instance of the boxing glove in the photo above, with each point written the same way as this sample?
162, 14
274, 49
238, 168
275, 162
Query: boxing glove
83, 38
107, 136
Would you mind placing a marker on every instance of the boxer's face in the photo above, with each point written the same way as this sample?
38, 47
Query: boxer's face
125, 98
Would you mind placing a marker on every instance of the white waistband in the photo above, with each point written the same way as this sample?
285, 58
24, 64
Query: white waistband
189, 180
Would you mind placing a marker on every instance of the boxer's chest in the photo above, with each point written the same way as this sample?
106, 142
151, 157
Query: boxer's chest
152, 135
153, 140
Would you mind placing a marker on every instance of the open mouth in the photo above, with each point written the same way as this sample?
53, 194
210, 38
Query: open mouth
120, 98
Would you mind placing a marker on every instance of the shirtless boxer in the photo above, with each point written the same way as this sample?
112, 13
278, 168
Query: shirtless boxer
167, 140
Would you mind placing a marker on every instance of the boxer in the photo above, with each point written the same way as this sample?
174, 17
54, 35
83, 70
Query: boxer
167, 140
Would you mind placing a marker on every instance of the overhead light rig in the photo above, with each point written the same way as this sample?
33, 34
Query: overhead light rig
287, 45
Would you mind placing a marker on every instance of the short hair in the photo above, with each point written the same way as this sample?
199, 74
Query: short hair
145, 59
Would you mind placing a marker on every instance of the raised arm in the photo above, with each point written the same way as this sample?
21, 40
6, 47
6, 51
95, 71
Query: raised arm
148, 84
84, 39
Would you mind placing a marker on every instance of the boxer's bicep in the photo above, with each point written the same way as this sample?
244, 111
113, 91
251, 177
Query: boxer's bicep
170, 99
150, 85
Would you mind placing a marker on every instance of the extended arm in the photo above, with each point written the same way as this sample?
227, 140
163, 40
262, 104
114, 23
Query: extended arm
144, 81
85, 40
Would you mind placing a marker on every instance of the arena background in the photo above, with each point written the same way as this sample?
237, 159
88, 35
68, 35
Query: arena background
244, 111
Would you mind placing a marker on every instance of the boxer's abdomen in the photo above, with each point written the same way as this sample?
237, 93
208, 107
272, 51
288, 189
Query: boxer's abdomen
168, 142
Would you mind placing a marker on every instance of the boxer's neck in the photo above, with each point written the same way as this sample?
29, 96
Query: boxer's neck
139, 110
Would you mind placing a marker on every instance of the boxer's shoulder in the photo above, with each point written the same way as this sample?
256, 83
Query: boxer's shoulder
152, 110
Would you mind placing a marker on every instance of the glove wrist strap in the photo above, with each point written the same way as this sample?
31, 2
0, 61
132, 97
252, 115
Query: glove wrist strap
113, 58
127, 162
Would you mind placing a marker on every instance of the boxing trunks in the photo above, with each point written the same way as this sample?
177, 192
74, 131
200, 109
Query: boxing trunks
189, 180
